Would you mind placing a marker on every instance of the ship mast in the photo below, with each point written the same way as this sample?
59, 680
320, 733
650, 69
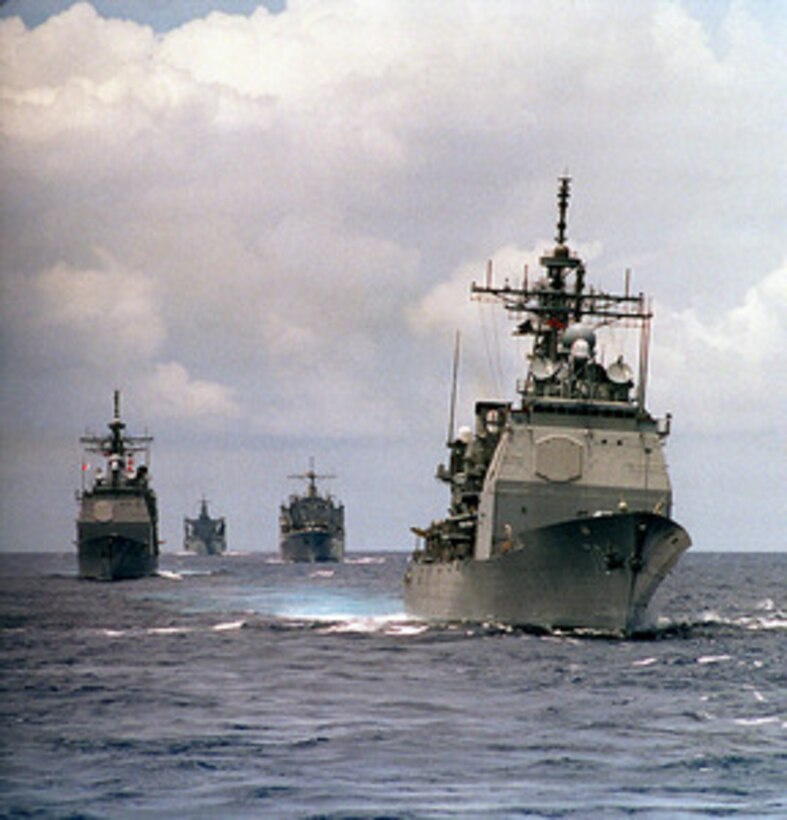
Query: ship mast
117, 447
454, 375
311, 476
555, 312
117, 426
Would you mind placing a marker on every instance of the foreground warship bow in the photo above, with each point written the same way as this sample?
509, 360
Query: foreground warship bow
311, 525
117, 527
560, 506
204, 535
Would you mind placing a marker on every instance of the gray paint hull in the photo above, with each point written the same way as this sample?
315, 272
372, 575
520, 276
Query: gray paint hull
595, 574
114, 557
311, 546
198, 546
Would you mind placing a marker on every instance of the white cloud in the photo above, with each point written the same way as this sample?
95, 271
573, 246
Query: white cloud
106, 313
292, 206
726, 373
175, 394
74, 74
106, 325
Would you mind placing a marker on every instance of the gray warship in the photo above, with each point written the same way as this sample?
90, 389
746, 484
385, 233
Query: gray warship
560, 502
117, 526
204, 535
311, 525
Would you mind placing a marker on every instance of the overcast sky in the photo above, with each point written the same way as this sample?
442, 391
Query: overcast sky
262, 223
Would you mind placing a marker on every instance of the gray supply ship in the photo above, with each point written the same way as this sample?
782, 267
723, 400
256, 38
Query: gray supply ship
312, 525
560, 503
117, 527
204, 535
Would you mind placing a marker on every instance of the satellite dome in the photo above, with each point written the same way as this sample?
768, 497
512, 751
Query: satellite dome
619, 372
580, 349
576, 332
542, 368
465, 435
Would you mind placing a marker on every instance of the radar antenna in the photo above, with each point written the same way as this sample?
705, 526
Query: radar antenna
562, 203
118, 448
454, 374
548, 309
311, 476
117, 426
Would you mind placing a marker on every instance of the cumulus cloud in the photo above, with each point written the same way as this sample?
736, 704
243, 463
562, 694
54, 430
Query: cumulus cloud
108, 321
105, 314
728, 371
175, 394
291, 206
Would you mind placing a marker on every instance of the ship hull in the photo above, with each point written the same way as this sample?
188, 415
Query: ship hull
198, 546
311, 546
596, 574
115, 557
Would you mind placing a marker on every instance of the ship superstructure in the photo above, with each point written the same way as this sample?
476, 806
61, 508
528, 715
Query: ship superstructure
205, 535
117, 527
560, 502
312, 524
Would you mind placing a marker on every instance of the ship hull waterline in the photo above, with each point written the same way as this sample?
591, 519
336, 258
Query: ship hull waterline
311, 546
115, 557
596, 574
198, 546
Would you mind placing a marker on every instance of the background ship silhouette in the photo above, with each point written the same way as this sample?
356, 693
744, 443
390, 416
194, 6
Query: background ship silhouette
117, 526
312, 525
204, 535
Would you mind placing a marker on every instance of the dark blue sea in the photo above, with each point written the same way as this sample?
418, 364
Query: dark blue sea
241, 687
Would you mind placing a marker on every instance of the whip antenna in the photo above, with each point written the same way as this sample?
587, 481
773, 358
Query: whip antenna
454, 374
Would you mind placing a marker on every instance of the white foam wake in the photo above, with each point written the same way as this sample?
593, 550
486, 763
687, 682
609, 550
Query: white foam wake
365, 560
169, 575
645, 662
399, 624
228, 626
759, 721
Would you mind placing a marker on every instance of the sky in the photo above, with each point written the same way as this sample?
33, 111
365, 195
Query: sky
261, 222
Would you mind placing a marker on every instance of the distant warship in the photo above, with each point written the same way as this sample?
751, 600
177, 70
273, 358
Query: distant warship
560, 504
204, 535
117, 527
312, 525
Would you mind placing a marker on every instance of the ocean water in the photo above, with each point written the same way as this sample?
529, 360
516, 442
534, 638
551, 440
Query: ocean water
241, 687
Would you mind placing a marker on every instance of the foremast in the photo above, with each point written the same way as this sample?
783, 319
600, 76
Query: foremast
118, 449
312, 477
562, 314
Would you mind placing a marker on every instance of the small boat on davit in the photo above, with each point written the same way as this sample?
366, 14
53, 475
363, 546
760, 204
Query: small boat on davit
560, 503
